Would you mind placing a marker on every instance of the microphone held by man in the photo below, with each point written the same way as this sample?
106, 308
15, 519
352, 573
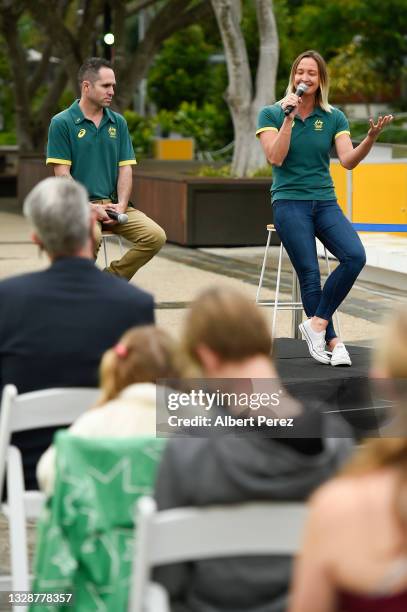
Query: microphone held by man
116, 216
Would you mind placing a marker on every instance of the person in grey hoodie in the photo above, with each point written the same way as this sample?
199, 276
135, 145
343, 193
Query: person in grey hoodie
227, 337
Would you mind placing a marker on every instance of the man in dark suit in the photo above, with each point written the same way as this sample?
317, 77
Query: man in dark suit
56, 324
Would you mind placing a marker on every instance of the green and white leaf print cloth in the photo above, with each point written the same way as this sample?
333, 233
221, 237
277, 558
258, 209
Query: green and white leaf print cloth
86, 535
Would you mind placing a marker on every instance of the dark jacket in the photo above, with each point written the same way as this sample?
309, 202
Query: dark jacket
54, 327
227, 470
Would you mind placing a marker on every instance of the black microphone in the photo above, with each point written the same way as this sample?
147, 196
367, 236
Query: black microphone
119, 217
301, 89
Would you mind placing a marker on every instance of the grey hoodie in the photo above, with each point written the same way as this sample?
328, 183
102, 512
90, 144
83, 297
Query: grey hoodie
227, 470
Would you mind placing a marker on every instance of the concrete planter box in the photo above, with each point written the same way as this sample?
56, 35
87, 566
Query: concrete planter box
196, 211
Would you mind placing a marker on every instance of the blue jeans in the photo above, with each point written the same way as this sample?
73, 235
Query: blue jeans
298, 222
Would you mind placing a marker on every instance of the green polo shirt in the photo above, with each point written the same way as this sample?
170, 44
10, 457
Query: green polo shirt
94, 154
304, 174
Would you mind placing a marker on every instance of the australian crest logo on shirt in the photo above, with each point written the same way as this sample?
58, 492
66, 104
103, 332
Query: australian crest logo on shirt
112, 132
81, 133
318, 125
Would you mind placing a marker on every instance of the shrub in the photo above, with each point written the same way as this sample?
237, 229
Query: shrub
204, 124
215, 171
264, 171
225, 171
393, 135
181, 71
142, 131
8, 138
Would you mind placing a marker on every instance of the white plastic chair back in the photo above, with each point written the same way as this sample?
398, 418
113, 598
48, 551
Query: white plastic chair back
28, 411
186, 534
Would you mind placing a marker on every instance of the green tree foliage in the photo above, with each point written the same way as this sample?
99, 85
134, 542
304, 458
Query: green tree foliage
142, 131
379, 27
323, 26
352, 73
204, 124
364, 42
187, 87
63, 36
6, 97
182, 71
382, 27
367, 36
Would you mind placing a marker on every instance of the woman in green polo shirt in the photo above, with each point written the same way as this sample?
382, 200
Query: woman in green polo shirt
297, 145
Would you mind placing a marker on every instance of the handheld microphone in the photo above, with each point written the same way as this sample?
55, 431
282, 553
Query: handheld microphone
301, 89
119, 217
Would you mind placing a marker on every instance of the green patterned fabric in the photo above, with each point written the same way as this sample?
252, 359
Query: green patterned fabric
86, 536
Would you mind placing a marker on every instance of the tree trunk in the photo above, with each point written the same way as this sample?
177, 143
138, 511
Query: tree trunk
244, 107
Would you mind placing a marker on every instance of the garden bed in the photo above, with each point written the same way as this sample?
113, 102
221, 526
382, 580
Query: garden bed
198, 211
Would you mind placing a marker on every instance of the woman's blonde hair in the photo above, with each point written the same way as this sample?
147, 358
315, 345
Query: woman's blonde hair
142, 355
321, 96
228, 323
391, 358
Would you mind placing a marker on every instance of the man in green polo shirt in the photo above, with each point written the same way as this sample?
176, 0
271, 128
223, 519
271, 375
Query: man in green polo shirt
91, 143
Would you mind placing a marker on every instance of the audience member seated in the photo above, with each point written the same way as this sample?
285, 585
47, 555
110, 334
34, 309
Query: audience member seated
128, 374
354, 554
227, 337
56, 324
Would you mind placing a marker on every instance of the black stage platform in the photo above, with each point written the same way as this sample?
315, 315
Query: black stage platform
344, 390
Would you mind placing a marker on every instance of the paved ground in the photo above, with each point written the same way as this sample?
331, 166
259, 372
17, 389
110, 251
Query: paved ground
176, 277
178, 274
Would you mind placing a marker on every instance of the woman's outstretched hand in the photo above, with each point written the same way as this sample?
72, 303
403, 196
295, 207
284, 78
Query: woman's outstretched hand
376, 128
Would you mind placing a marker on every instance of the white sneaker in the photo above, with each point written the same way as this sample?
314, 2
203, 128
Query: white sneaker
315, 341
340, 355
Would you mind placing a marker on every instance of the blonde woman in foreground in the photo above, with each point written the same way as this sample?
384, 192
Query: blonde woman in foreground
354, 553
127, 406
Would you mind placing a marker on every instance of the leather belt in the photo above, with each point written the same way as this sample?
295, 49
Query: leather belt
101, 202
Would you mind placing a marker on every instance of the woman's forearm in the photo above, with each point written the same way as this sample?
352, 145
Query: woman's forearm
351, 159
277, 151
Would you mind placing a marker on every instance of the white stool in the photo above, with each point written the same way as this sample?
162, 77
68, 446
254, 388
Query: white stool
105, 236
276, 303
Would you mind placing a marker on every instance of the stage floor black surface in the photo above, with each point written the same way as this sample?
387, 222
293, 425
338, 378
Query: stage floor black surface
293, 360
344, 390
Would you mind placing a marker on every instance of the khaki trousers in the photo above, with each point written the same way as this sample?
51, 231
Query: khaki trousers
146, 236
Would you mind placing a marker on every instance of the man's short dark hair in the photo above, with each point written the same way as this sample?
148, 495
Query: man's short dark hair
89, 71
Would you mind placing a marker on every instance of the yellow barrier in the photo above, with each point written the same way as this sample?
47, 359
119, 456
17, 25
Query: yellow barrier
174, 148
378, 191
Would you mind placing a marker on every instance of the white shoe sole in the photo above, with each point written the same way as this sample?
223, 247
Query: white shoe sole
341, 362
317, 356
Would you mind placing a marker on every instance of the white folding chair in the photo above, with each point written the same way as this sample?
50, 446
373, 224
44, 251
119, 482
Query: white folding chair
29, 411
187, 534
